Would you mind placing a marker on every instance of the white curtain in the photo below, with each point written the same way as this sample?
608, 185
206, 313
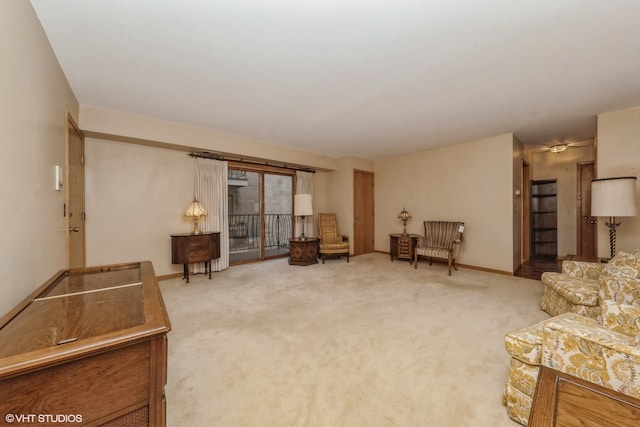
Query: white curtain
212, 192
304, 185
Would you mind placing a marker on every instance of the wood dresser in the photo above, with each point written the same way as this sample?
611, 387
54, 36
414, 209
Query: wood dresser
88, 347
187, 248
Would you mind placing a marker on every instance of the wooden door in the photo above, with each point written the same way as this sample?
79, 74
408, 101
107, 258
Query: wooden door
75, 196
525, 196
587, 231
363, 213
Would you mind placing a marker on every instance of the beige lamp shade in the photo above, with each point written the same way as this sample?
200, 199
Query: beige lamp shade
195, 210
614, 197
404, 216
302, 205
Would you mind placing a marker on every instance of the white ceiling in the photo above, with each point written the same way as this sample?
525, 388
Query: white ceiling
367, 78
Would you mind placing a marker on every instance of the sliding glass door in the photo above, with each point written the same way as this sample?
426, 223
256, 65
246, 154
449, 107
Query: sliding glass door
260, 213
277, 214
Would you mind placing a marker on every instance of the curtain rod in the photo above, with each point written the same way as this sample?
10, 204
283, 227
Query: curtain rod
214, 156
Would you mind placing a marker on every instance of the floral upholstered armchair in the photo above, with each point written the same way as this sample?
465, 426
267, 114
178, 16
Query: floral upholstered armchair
580, 285
603, 349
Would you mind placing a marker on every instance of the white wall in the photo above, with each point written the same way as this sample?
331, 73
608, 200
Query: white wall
470, 182
35, 98
136, 197
99, 122
619, 155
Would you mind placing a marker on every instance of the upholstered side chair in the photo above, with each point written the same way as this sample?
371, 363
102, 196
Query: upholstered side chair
442, 240
331, 243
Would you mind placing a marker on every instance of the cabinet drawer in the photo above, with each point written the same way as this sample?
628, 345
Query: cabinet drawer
95, 387
404, 246
200, 248
199, 243
200, 254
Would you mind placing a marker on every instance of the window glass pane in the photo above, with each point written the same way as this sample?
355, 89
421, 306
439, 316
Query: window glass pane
244, 216
277, 214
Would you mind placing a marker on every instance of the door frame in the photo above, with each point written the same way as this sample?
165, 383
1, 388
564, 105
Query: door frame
261, 170
75, 186
579, 214
525, 228
359, 249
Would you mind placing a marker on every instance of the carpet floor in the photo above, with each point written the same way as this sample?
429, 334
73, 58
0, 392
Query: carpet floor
365, 343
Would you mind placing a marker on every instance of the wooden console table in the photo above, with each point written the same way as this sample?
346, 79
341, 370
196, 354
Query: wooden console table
303, 252
402, 247
89, 345
187, 248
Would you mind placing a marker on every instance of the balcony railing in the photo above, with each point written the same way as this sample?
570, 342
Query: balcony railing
244, 231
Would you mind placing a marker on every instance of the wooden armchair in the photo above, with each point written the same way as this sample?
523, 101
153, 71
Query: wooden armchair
331, 243
442, 240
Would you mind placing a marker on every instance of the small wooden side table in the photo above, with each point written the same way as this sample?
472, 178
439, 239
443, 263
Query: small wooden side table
303, 252
188, 248
402, 247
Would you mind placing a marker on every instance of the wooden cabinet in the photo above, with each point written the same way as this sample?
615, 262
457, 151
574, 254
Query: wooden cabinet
564, 400
544, 219
88, 347
303, 252
402, 247
190, 248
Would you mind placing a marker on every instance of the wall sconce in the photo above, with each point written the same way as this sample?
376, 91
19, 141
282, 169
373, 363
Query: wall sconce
195, 211
302, 207
404, 216
613, 197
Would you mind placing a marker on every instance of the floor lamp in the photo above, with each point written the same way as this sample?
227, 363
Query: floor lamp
613, 197
302, 207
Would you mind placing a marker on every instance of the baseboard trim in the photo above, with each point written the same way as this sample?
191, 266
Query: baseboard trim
169, 276
439, 261
488, 270
470, 267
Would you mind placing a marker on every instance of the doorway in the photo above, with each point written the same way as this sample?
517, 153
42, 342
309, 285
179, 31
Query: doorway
260, 214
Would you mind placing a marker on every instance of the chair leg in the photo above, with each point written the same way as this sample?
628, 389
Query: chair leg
323, 258
415, 261
450, 264
430, 260
347, 256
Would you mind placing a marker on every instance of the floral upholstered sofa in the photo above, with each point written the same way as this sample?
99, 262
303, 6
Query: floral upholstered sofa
601, 345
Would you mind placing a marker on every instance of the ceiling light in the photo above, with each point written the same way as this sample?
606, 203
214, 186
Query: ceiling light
559, 148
